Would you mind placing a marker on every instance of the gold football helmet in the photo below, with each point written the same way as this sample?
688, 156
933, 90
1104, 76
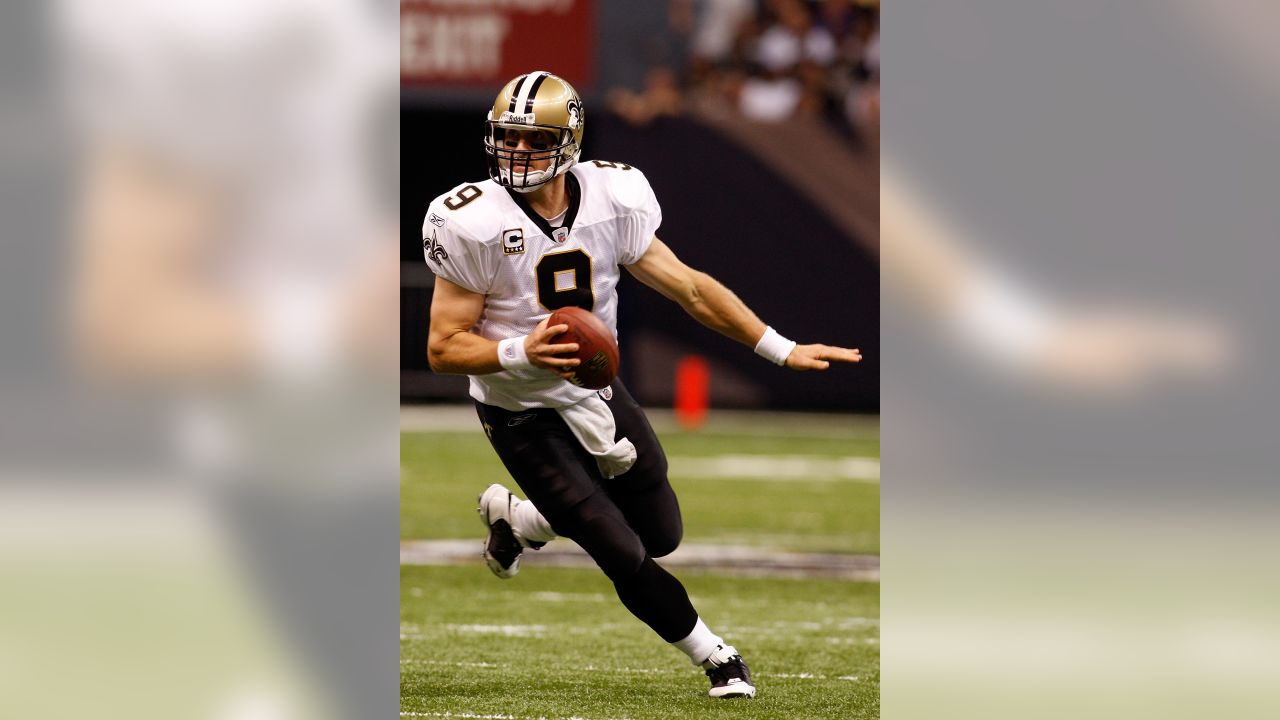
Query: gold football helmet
537, 101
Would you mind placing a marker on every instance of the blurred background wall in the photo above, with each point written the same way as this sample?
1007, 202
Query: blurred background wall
755, 122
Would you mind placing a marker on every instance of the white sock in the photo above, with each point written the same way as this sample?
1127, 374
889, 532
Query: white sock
700, 643
529, 524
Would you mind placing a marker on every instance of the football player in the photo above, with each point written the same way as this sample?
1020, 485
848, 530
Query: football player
546, 231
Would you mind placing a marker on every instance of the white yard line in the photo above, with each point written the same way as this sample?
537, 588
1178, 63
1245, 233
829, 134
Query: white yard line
507, 630
778, 468
469, 715
642, 671
462, 419
559, 597
492, 716
734, 559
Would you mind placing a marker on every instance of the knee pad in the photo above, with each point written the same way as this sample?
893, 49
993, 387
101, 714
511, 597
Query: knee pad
663, 546
662, 539
611, 543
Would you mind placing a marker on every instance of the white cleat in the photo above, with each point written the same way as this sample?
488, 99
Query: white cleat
502, 549
730, 677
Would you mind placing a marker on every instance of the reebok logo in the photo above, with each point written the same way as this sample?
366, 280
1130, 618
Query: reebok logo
509, 351
520, 419
436, 220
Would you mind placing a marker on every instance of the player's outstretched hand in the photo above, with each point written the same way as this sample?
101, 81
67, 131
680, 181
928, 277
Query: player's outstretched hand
542, 352
820, 357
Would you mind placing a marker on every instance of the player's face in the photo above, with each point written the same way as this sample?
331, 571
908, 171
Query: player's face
540, 142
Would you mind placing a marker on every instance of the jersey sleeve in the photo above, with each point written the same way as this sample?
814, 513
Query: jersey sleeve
452, 255
640, 218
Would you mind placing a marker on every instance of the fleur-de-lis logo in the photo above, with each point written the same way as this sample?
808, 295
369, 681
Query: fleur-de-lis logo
575, 113
434, 250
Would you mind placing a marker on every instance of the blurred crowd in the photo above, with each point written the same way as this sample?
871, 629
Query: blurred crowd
767, 61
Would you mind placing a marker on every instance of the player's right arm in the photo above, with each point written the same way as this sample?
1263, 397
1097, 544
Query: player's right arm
453, 349
454, 244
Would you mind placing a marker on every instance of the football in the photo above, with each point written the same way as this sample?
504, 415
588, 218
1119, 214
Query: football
597, 350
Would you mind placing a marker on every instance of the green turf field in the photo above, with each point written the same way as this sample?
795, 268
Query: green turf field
442, 472
555, 643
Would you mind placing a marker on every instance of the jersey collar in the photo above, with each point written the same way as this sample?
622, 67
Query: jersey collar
575, 197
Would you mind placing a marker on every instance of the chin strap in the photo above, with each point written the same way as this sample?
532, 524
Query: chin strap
530, 187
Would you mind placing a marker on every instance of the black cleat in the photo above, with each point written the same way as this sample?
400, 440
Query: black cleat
730, 677
502, 550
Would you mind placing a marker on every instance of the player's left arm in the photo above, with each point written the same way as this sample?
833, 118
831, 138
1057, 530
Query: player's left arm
714, 305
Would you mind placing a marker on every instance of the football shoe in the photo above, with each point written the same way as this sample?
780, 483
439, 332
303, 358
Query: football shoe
730, 677
502, 549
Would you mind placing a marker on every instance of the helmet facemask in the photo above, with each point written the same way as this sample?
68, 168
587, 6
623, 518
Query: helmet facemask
535, 101
513, 168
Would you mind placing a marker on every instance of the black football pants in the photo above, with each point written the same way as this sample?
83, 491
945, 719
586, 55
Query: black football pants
622, 523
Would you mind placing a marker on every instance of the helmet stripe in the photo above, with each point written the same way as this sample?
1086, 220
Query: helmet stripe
522, 97
515, 91
533, 92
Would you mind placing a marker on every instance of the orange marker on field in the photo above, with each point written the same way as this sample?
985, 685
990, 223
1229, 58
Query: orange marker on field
693, 390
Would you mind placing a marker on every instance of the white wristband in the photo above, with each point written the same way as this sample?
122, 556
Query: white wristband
511, 354
773, 347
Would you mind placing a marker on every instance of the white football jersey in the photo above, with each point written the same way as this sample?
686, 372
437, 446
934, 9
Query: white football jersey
486, 239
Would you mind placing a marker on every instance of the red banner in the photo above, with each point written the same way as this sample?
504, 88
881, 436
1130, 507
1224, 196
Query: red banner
485, 43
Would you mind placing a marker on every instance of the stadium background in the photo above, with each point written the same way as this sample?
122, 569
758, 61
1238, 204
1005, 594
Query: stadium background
763, 154
757, 125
